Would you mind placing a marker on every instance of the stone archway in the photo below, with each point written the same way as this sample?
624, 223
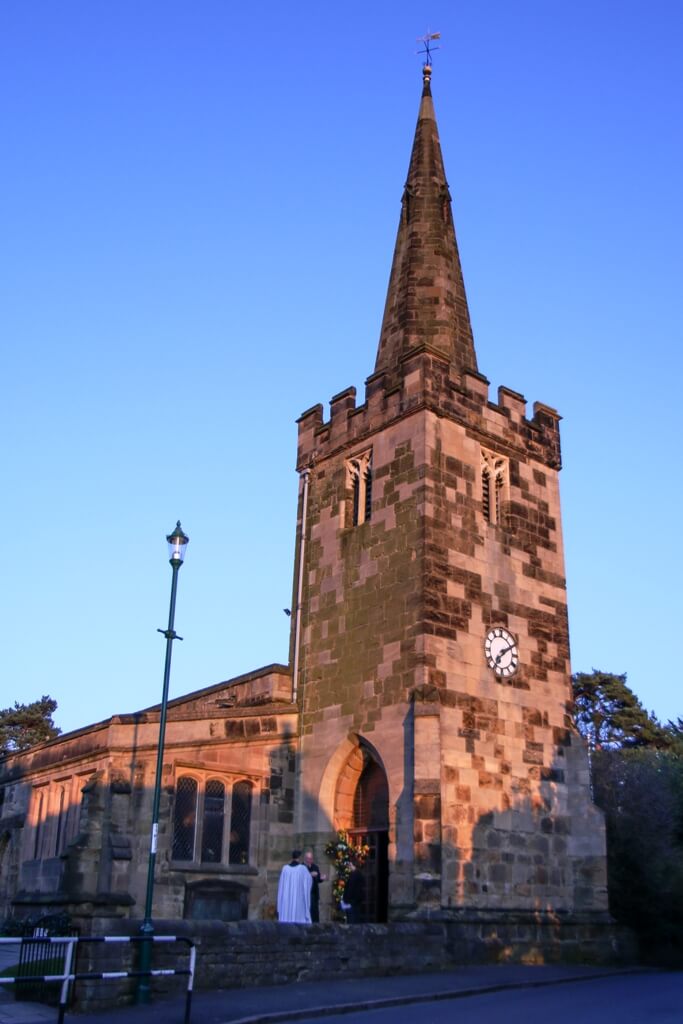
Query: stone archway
361, 806
345, 791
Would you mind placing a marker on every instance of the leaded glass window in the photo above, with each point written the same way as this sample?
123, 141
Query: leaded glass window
240, 823
185, 818
212, 825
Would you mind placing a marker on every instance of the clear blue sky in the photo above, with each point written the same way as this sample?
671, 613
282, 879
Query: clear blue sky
198, 207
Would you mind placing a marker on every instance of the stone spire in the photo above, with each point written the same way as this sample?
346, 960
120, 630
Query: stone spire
426, 307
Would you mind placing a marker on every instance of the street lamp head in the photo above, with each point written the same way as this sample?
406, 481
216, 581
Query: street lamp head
177, 542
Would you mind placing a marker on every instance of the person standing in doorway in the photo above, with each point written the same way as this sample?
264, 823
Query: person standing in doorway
354, 895
315, 888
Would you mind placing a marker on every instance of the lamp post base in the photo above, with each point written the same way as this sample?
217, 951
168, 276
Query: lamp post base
143, 992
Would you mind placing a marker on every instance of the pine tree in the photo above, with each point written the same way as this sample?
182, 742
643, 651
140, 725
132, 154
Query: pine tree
674, 731
24, 725
609, 716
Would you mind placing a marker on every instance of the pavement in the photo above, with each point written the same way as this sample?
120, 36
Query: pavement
272, 1004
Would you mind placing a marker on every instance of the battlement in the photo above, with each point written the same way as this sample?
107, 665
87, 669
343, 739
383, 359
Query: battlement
427, 383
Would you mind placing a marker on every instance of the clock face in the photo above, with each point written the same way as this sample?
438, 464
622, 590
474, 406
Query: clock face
501, 652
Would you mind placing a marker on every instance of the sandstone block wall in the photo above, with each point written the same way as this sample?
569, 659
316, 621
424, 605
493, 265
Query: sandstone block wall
489, 791
75, 817
267, 953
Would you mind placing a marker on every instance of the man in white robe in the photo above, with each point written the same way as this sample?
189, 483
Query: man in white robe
294, 892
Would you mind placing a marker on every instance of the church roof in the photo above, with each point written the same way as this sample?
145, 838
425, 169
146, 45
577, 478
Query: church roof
426, 306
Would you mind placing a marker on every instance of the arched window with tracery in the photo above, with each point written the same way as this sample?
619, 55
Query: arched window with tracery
359, 480
185, 818
212, 824
494, 479
240, 822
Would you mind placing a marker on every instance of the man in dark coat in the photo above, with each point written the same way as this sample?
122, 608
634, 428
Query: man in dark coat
315, 889
354, 894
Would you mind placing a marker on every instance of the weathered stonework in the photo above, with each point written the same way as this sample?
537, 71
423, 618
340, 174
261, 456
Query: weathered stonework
489, 795
268, 953
396, 613
89, 852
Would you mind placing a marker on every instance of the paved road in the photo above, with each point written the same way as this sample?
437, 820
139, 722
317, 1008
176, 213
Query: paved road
633, 999
486, 993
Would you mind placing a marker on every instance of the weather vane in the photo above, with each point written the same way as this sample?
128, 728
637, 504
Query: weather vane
427, 47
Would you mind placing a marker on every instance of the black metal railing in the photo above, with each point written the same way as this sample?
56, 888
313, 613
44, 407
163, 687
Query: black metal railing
41, 958
68, 945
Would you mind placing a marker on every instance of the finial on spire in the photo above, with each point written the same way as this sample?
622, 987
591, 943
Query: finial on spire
427, 49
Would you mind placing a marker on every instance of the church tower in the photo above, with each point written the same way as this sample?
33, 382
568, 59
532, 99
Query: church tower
431, 654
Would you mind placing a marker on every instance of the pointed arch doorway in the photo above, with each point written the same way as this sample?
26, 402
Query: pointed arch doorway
362, 808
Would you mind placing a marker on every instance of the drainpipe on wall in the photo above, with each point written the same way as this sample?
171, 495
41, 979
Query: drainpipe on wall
299, 589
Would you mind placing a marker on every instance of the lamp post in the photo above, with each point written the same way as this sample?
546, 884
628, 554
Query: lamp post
177, 542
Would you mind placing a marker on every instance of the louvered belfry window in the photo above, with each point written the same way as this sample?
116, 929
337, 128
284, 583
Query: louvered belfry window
486, 493
494, 478
359, 478
185, 818
240, 823
368, 491
499, 491
212, 825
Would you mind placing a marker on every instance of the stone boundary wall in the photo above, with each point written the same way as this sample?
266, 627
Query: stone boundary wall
253, 953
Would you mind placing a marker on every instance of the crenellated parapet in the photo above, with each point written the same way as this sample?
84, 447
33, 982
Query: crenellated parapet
428, 382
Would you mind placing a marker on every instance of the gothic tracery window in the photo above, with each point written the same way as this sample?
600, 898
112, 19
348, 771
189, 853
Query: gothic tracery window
494, 478
359, 475
200, 817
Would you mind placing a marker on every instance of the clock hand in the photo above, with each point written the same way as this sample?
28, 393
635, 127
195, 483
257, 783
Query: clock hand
504, 651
